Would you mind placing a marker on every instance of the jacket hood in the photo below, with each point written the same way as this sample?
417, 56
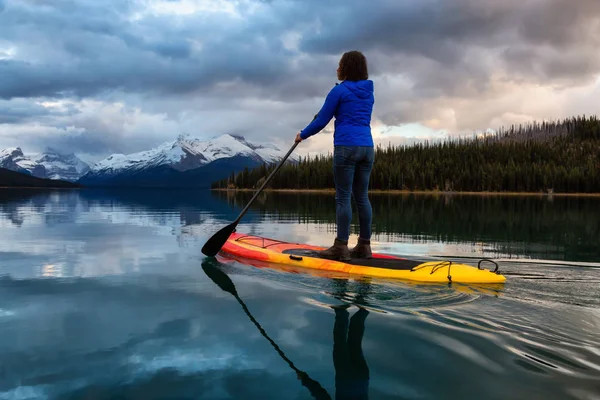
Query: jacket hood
361, 89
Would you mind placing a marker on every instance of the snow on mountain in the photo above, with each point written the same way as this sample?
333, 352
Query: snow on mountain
166, 153
62, 166
187, 153
221, 154
14, 159
50, 164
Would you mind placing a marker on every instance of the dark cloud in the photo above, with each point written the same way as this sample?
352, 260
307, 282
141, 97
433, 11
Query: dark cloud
262, 71
428, 28
560, 24
88, 50
92, 142
21, 111
88, 47
447, 36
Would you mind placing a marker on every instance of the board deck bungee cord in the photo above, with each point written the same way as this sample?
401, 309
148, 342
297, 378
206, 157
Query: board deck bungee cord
380, 265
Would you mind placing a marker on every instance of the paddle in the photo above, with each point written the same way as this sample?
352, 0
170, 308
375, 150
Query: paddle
224, 282
214, 244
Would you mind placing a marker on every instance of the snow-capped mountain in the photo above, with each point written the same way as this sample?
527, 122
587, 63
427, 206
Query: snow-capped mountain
187, 153
62, 166
202, 161
14, 159
50, 164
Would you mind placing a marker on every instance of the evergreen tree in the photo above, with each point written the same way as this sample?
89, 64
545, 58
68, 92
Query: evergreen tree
561, 156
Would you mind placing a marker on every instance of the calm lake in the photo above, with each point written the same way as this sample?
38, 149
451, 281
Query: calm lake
105, 295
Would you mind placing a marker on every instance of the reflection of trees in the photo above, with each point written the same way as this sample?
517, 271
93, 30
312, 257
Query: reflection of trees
566, 227
560, 228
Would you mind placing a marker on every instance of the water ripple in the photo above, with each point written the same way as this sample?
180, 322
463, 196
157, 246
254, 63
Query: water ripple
385, 295
543, 341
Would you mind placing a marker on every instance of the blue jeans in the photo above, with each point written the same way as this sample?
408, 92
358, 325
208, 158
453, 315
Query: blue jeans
352, 167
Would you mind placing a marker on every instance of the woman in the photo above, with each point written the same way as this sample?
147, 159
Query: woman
351, 102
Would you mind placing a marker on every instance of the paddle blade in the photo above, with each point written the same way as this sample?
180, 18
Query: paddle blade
219, 277
214, 244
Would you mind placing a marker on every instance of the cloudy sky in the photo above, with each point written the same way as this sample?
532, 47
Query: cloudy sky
117, 76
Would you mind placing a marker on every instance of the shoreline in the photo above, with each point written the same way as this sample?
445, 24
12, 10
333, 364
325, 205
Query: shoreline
404, 192
374, 191
38, 187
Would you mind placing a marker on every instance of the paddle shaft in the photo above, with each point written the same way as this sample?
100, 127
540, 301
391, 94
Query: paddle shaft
268, 179
265, 183
221, 279
262, 331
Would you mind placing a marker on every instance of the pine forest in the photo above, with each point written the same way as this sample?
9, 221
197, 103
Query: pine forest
559, 157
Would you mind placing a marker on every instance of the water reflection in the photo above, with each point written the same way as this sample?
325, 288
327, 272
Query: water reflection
102, 295
351, 369
561, 228
212, 270
564, 228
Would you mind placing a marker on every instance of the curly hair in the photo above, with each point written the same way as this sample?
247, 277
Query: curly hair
353, 66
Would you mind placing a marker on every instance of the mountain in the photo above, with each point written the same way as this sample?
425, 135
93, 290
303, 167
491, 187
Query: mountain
50, 164
14, 160
10, 178
186, 162
62, 166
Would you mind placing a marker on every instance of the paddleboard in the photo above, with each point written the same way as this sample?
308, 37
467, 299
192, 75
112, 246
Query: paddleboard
242, 246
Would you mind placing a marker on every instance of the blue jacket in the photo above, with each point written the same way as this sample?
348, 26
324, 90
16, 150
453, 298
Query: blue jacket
352, 104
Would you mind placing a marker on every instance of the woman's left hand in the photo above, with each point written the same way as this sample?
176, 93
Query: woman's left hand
298, 138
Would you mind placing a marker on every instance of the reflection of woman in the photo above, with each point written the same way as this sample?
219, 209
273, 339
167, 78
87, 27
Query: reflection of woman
352, 373
351, 370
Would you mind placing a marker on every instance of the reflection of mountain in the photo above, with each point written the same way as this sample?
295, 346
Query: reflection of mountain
564, 228
54, 206
193, 206
188, 215
149, 207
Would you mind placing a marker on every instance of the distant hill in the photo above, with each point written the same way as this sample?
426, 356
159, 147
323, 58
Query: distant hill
10, 178
560, 157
